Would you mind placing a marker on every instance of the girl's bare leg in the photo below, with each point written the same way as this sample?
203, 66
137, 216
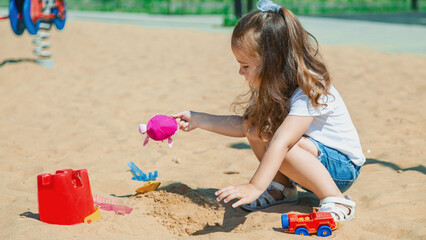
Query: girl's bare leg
302, 166
259, 148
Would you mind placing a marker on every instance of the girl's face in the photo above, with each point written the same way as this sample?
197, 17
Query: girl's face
248, 66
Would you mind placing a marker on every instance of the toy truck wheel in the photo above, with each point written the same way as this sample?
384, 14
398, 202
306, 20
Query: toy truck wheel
31, 7
285, 221
301, 231
324, 231
17, 24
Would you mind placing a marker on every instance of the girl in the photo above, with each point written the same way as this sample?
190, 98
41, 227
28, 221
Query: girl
295, 121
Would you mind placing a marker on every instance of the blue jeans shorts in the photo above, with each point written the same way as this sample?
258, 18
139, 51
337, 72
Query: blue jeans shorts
342, 170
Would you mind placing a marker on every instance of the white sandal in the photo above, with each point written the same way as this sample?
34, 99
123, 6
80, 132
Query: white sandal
328, 204
266, 200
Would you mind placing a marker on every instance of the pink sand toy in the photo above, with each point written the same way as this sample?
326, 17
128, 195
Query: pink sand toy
159, 128
109, 205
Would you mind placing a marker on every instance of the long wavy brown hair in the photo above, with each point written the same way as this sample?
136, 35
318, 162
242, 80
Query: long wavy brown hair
289, 58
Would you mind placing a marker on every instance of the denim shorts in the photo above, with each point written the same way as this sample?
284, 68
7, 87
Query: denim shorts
342, 170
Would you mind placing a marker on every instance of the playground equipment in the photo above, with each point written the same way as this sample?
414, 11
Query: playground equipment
35, 15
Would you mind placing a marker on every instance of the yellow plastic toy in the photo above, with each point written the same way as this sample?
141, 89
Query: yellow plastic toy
95, 216
148, 187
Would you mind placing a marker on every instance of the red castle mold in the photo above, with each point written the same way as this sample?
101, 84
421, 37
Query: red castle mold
65, 198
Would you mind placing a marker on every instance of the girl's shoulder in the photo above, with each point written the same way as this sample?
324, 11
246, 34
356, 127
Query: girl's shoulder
300, 104
298, 94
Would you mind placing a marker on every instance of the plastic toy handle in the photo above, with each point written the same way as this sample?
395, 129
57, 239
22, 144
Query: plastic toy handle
45, 179
139, 175
136, 171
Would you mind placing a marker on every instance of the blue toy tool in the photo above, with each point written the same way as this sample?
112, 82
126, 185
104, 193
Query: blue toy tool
138, 175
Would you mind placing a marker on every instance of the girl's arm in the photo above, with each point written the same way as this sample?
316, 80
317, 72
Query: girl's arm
228, 125
286, 136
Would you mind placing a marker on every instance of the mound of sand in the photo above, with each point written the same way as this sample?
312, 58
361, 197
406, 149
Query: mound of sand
184, 211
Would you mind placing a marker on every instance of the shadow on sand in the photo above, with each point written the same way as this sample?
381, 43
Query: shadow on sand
234, 217
29, 214
420, 168
240, 145
17, 61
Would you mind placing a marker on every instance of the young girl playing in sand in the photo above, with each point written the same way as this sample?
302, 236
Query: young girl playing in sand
295, 121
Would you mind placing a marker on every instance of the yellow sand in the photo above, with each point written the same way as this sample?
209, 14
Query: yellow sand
84, 113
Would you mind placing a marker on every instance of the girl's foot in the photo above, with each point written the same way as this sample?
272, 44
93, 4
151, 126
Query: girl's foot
275, 194
342, 209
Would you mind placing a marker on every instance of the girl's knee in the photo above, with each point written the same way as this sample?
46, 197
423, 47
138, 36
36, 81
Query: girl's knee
307, 145
293, 153
302, 146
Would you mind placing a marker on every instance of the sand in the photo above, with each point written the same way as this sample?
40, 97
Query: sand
84, 114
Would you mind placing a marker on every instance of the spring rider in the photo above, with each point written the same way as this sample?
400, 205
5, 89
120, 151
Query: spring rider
35, 15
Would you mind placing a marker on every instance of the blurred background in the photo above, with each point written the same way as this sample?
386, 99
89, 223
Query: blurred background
392, 26
405, 11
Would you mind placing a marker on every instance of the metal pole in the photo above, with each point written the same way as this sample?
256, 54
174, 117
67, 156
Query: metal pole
249, 5
238, 8
415, 5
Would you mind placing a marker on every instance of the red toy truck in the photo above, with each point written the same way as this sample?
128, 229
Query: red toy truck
321, 223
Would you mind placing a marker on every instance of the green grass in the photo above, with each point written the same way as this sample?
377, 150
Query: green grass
153, 6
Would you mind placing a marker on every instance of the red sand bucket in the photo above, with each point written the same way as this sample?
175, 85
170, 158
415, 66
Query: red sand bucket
65, 198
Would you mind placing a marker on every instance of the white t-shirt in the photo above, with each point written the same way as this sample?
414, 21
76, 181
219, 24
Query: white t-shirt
332, 125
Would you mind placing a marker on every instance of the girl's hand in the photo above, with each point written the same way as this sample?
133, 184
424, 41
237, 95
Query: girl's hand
185, 120
247, 193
